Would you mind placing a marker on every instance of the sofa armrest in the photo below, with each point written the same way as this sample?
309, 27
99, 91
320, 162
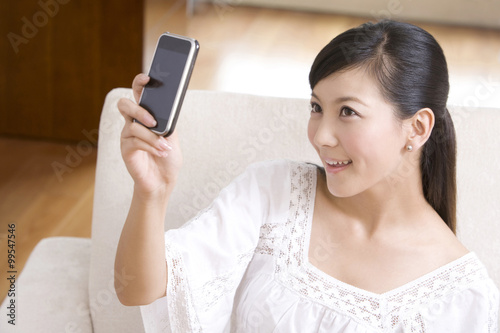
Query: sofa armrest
51, 293
112, 196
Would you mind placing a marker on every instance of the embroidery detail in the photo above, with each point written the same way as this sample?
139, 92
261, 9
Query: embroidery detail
286, 243
212, 291
270, 234
180, 303
379, 311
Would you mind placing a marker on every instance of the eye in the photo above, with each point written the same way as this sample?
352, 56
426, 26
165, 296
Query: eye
347, 112
315, 108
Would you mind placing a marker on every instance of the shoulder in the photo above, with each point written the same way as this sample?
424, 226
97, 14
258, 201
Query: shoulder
459, 297
279, 169
267, 166
277, 180
466, 277
281, 164
432, 239
443, 245
467, 285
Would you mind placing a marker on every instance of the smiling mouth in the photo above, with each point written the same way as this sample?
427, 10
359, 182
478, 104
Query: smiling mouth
338, 163
334, 166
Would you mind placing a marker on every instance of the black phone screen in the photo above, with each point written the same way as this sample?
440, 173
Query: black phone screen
165, 75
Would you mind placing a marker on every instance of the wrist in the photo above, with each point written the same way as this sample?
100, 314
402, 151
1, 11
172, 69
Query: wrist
157, 197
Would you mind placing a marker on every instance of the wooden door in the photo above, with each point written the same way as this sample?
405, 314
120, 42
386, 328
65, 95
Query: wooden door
58, 60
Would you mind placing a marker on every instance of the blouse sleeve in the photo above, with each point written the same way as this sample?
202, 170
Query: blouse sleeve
207, 257
474, 309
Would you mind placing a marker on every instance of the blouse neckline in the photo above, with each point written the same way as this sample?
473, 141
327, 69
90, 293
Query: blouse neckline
373, 295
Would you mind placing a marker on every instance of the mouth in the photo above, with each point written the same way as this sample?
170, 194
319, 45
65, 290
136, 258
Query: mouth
337, 163
334, 166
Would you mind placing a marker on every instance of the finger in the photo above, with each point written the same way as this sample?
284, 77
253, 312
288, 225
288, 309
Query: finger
134, 144
131, 111
136, 130
173, 139
138, 84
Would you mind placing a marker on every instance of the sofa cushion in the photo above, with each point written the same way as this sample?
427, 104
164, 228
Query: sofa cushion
221, 133
52, 290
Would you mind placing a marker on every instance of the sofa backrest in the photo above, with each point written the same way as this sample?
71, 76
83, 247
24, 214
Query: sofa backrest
221, 133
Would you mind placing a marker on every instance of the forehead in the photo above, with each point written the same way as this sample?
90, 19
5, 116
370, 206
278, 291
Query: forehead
355, 82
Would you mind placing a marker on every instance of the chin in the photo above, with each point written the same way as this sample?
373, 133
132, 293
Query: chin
341, 191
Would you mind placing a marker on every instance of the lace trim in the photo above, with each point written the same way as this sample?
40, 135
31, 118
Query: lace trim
388, 310
181, 311
270, 235
303, 181
451, 279
286, 242
494, 309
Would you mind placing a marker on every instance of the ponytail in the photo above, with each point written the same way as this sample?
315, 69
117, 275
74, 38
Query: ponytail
438, 167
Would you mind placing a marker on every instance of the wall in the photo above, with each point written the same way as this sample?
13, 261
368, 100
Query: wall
484, 13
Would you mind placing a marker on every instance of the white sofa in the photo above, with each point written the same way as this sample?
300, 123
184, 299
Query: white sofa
67, 283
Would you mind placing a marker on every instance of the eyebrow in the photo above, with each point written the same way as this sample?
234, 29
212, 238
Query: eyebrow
343, 99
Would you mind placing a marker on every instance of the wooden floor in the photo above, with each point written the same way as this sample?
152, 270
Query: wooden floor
269, 52
46, 188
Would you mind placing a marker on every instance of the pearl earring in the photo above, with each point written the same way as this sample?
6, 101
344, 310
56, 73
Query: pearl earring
409, 148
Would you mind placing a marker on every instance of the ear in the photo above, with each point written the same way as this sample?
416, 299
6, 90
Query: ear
420, 127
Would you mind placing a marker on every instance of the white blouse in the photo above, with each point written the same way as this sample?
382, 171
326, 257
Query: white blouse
242, 265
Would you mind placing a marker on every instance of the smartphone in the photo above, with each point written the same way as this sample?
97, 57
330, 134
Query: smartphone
169, 74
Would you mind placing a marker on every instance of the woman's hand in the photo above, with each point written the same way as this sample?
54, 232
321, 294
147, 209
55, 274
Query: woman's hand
152, 161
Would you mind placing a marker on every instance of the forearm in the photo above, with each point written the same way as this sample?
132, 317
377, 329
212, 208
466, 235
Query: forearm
141, 251
153, 162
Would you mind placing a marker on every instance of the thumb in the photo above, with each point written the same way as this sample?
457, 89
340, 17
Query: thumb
138, 84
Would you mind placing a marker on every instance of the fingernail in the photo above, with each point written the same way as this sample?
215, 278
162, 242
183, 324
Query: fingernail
162, 153
164, 144
149, 120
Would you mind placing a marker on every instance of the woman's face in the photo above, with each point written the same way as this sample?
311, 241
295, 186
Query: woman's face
355, 132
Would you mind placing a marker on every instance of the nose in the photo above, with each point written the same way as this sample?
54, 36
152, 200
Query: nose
325, 133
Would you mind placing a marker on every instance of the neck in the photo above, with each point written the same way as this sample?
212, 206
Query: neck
394, 202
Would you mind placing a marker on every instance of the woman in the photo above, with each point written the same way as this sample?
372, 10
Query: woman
365, 243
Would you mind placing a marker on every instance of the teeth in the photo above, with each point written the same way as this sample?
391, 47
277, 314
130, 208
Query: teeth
338, 162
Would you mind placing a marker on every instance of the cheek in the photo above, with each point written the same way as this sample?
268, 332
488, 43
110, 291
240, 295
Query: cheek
312, 127
373, 145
